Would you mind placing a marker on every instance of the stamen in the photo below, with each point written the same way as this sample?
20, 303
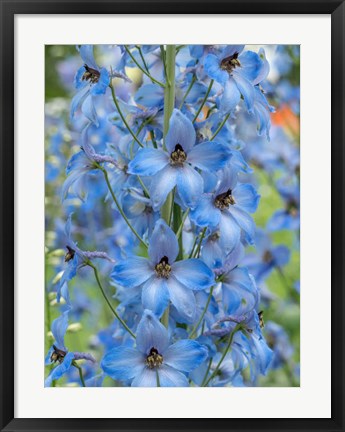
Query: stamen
70, 254
230, 63
178, 156
57, 355
267, 257
154, 359
90, 74
224, 200
163, 268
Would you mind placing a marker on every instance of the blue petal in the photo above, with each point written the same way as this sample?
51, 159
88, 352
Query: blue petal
89, 111
169, 377
205, 213
193, 274
245, 221
147, 378
281, 255
150, 95
123, 363
251, 66
182, 298
230, 230
213, 70
185, 355
181, 131
60, 370
151, 334
246, 197
231, 97
101, 86
86, 53
230, 50
246, 89
239, 292
209, 156
148, 162
163, 242
132, 272
78, 99
155, 295
189, 185
162, 183
59, 327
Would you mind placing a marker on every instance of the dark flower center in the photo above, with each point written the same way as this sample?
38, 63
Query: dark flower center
154, 359
163, 268
178, 156
230, 63
261, 319
292, 208
267, 257
70, 254
224, 200
90, 74
57, 355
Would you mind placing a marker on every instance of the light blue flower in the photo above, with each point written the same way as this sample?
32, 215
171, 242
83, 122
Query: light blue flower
154, 361
175, 166
163, 279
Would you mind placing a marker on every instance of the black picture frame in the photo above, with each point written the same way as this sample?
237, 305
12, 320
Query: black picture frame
8, 10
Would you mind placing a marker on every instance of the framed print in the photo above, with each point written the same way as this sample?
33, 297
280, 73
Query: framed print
172, 215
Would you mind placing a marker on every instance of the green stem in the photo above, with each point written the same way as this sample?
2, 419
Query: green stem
120, 208
180, 228
122, 116
196, 254
193, 80
231, 337
142, 58
219, 128
89, 263
164, 63
169, 104
177, 226
193, 247
142, 69
207, 371
146, 192
80, 370
203, 101
202, 315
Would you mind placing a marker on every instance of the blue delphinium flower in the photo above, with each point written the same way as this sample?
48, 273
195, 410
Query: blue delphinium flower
238, 72
75, 258
154, 362
59, 353
175, 166
90, 80
162, 278
228, 208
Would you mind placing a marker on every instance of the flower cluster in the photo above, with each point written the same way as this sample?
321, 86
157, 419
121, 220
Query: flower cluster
162, 143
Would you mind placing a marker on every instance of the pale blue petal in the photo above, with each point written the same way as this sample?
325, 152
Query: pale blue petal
185, 355
246, 197
163, 242
101, 86
86, 53
181, 131
151, 334
189, 185
123, 363
162, 183
89, 111
148, 162
169, 377
205, 213
231, 97
213, 70
78, 99
246, 89
147, 378
155, 295
244, 220
182, 298
59, 328
193, 274
229, 230
132, 272
209, 156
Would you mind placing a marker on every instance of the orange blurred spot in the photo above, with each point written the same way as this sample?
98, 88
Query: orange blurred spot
286, 118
